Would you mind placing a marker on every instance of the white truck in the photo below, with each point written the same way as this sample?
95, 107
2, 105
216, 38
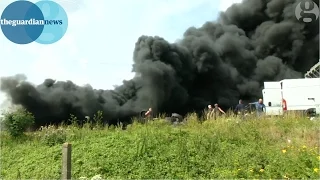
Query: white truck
292, 95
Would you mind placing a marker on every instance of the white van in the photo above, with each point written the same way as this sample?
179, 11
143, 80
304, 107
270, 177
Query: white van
272, 98
301, 94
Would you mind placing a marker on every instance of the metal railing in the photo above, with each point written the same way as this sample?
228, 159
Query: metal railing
314, 71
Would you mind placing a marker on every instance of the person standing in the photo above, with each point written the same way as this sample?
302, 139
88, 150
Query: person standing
210, 111
148, 114
260, 107
217, 110
240, 108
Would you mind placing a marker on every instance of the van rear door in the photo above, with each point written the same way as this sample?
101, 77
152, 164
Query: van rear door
272, 100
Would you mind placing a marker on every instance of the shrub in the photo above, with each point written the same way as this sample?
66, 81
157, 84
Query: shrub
18, 121
51, 135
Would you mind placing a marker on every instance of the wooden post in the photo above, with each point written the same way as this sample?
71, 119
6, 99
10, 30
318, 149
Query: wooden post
66, 161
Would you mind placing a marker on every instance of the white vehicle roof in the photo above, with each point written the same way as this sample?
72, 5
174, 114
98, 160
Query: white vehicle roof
289, 83
272, 85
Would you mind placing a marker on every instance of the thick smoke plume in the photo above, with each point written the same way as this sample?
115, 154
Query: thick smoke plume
252, 42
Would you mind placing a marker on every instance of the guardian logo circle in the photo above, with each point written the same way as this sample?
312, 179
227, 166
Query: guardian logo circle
44, 22
307, 11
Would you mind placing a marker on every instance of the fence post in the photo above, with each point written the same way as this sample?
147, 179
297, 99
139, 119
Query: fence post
66, 161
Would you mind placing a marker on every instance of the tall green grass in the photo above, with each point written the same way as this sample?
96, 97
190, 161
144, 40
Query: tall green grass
276, 147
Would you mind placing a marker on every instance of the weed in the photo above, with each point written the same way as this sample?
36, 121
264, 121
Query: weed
51, 135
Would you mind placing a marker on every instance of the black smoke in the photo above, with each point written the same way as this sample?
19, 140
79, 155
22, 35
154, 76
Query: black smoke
220, 62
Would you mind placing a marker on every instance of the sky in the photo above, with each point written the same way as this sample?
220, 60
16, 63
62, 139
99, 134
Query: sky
98, 46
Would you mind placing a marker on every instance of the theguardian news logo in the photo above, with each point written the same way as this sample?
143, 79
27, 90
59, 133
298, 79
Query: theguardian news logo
44, 22
6, 22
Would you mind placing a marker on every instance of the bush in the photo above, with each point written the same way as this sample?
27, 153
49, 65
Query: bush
18, 121
51, 135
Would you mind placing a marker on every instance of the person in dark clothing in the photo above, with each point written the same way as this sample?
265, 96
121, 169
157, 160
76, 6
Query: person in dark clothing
240, 109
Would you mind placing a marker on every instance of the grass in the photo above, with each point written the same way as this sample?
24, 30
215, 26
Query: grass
225, 148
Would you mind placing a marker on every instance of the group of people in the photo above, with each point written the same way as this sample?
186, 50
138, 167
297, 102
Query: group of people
215, 111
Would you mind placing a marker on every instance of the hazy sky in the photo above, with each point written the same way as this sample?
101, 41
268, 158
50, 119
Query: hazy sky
98, 46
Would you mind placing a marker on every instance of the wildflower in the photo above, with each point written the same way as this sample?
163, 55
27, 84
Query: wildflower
96, 177
239, 169
285, 176
284, 151
251, 170
304, 147
261, 170
289, 141
315, 170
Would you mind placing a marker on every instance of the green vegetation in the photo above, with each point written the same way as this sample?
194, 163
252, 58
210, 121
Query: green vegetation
17, 122
226, 148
